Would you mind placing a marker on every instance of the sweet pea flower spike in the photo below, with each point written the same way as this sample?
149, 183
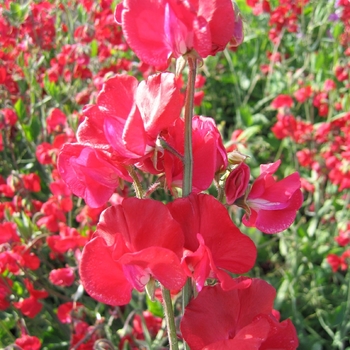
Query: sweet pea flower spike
273, 204
160, 29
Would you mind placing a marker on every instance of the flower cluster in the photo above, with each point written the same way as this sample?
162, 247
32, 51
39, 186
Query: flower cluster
141, 132
135, 129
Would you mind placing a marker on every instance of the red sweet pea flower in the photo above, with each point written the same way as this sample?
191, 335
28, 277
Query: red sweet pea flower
237, 182
8, 233
161, 29
288, 125
337, 262
81, 329
282, 101
56, 121
273, 204
38, 294
344, 236
64, 311
90, 173
31, 182
246, 317
29, 307
8, 117
213, 243
62, 277
134, 241
129, 116
28, 259
209, 154
5, 292
303, 93
259, 6
68, 239
28, 342
334, 261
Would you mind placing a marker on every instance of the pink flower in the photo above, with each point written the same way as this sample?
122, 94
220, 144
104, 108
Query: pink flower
161, 29
56, 121
8, 233
31, 182
209, 154
29, 307
246, 320
62, 277
273, 204
302, 94
213, 244
8, 117
5, 292
337, 262
90, 173
28, 342
343, 238
68, 239
64, 311
282, 101
129, 116
134, 242
237, 182
334, 261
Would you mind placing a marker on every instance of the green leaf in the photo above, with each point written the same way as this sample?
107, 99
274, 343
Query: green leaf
246, 115
32, 130
17, 12
338, 29
20, 110
249, 132
82, 14
312, 227
18, 288
155, 307
283, 247
346, 102
320, 60
51, 88
35, 127
281, 294
94, 48
24, 225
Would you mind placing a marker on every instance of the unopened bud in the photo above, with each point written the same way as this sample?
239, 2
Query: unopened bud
237, 183
236, 157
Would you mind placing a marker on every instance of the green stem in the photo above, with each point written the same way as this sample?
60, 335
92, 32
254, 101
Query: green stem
169, 317
136, 182
188, 157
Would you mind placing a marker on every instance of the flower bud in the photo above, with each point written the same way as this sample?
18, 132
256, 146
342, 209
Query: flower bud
237, 182
236, 157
